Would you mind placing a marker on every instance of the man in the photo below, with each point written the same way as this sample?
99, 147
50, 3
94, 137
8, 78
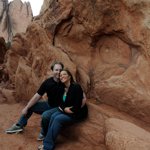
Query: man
52, 87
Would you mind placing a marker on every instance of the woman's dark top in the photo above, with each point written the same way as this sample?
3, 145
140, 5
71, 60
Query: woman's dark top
54, 91
74, 98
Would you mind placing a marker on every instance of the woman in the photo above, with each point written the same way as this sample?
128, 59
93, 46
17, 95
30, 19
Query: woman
69, 111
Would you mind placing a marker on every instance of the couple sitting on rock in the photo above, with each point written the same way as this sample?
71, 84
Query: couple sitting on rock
65, 105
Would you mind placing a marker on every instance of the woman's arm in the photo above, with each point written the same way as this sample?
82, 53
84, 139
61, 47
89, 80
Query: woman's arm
77, 97
68, 109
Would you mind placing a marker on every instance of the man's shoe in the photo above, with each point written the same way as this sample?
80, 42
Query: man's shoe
40, 137
14, 129
41, 147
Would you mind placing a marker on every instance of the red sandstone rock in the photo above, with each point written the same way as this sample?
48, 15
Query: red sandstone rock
14, 18
112, 64
97, 132
124, 135
106, 46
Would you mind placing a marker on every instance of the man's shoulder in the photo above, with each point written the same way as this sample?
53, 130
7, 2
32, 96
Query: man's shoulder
49, 79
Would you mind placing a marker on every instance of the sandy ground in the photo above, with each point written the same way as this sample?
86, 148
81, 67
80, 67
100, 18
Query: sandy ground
27, 140
9, 114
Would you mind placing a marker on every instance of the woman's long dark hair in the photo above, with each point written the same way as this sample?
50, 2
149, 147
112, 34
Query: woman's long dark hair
69, 73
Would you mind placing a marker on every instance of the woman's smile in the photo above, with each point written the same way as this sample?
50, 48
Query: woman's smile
64, 77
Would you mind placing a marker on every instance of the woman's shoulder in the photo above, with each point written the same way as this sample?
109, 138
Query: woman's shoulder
76, 85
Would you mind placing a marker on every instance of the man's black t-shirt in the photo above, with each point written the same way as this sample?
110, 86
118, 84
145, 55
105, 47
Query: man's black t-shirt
54, 91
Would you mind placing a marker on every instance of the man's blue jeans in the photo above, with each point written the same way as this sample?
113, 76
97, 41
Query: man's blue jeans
39, 108
57, 121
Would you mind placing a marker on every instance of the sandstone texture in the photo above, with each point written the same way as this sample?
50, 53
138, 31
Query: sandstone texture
124, 135
14, 17
105, 129
105, 44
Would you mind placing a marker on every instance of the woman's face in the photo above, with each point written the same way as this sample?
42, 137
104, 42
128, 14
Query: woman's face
64, 77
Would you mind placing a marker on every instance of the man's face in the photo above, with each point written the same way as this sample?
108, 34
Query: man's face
56, 70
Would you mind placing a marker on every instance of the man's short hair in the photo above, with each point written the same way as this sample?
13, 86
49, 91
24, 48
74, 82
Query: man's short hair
56, 62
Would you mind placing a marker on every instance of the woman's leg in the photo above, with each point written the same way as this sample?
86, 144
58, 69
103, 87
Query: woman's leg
58, 120
46, 116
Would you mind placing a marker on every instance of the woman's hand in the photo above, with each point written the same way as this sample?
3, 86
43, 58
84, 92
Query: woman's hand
67, 110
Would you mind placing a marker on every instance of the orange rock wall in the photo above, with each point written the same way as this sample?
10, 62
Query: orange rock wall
14, 18
104, 43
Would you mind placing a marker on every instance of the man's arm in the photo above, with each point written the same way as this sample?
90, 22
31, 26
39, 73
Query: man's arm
32, 101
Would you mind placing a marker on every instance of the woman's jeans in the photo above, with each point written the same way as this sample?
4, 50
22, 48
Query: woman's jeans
57, 120
46, 116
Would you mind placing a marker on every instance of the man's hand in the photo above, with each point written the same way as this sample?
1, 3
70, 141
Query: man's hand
32, 101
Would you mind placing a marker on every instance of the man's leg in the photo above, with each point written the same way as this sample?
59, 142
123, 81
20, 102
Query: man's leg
38, 108
58, 120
